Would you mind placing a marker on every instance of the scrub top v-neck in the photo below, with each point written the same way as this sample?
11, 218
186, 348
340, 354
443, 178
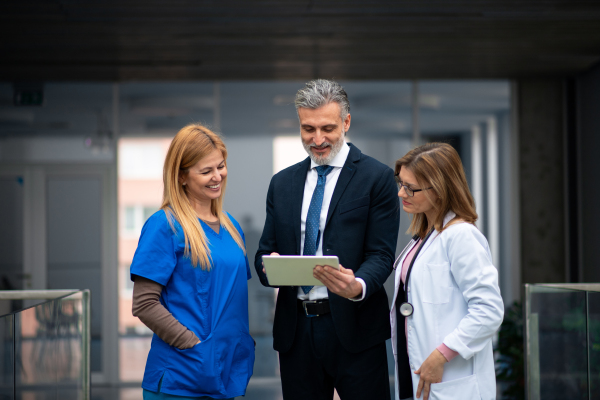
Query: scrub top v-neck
213, 304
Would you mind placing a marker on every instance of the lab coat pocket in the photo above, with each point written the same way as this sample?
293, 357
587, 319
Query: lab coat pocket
464, 388
436, 283
200, 368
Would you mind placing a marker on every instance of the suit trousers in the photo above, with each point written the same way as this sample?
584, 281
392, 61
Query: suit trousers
317, 363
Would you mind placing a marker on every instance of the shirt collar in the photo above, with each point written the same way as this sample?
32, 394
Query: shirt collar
339, 160
449, 216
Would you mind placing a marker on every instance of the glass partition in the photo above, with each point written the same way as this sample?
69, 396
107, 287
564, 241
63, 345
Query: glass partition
594, 343
562, 341
7, 357
45, 348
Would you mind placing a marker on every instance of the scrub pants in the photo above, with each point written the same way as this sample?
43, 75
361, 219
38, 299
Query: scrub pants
148, 395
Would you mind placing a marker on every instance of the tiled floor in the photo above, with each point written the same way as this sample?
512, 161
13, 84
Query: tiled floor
136, 394
265, 389
264, 385
258, 389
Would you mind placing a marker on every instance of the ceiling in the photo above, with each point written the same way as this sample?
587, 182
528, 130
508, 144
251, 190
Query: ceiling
133, 40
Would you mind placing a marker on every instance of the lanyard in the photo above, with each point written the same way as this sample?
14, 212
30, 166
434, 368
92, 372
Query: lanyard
406, 309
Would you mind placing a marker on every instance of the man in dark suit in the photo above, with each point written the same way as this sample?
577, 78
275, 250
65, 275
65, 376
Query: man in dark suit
340, 202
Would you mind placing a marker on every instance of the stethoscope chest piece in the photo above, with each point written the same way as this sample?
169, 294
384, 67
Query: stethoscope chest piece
406, 309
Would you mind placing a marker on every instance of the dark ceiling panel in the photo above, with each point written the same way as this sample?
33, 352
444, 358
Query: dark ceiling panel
191, 40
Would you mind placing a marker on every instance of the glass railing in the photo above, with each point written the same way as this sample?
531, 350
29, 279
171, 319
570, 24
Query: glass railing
562, 339
45, 348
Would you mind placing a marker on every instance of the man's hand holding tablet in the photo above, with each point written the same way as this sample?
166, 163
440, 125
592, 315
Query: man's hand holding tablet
341, 282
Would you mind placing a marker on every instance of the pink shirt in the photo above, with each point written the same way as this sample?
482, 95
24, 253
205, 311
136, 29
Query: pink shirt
448, 353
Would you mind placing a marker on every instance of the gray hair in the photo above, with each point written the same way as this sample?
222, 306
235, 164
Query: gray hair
320, 92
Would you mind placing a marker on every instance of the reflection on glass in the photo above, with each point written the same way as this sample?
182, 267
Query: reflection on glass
50, 349
558, 365
6, 357
594, 343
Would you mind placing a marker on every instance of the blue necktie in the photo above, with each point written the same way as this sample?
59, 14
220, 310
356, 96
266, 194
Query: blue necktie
313, 218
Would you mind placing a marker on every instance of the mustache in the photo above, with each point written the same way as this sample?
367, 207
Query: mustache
321, 146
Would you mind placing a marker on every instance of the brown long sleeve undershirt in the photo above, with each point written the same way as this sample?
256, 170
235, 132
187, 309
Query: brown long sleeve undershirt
148, 308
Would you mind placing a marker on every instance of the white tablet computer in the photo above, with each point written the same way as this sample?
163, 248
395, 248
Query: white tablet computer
296, 270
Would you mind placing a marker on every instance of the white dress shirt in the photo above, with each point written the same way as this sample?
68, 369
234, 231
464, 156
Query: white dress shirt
320, 292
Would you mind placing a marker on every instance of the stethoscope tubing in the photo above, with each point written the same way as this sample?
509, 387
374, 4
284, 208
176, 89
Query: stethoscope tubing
406, 308
412, 241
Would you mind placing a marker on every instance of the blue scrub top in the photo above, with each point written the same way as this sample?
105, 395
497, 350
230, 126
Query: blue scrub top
212, 304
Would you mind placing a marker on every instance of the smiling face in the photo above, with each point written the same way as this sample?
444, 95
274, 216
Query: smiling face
203, 181
419, 203
322, 131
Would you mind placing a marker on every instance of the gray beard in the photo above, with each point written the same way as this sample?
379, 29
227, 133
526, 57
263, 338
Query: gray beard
324, 160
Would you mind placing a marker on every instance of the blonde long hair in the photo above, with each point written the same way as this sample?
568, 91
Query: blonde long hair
438, 165
190, 145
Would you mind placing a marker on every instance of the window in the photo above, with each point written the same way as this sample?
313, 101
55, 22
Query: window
148, 211
287, 151
129, 218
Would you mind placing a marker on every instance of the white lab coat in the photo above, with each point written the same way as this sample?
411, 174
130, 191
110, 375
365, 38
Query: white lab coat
454, 290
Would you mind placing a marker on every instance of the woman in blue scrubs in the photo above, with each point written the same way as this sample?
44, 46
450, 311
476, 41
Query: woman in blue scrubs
190, 274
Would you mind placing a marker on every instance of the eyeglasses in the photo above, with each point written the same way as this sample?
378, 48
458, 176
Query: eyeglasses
410, 192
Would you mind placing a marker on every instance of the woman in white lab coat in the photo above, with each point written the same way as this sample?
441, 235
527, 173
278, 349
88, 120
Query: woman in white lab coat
447, 303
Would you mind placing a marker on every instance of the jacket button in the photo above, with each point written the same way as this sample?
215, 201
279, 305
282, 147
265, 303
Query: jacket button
409, 328
408, 290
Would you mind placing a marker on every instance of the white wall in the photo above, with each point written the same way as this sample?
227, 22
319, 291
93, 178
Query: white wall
60, 150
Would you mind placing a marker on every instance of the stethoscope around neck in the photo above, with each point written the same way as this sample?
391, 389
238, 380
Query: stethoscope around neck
406, 309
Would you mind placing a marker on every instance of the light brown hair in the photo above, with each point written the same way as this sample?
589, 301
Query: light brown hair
190, 145
438, 165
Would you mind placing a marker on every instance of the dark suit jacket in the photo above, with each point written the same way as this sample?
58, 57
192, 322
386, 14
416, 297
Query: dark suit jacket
361, 229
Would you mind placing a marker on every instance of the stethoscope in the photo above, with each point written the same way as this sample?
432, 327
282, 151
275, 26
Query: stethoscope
406, 309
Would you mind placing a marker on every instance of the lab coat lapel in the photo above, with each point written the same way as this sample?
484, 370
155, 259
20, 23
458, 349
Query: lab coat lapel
433, 236
298, 182
447, 218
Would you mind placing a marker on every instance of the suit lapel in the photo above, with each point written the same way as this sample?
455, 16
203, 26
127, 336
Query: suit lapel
298, 181
344, 179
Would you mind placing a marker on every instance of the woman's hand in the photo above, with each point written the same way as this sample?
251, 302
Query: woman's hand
431, 371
